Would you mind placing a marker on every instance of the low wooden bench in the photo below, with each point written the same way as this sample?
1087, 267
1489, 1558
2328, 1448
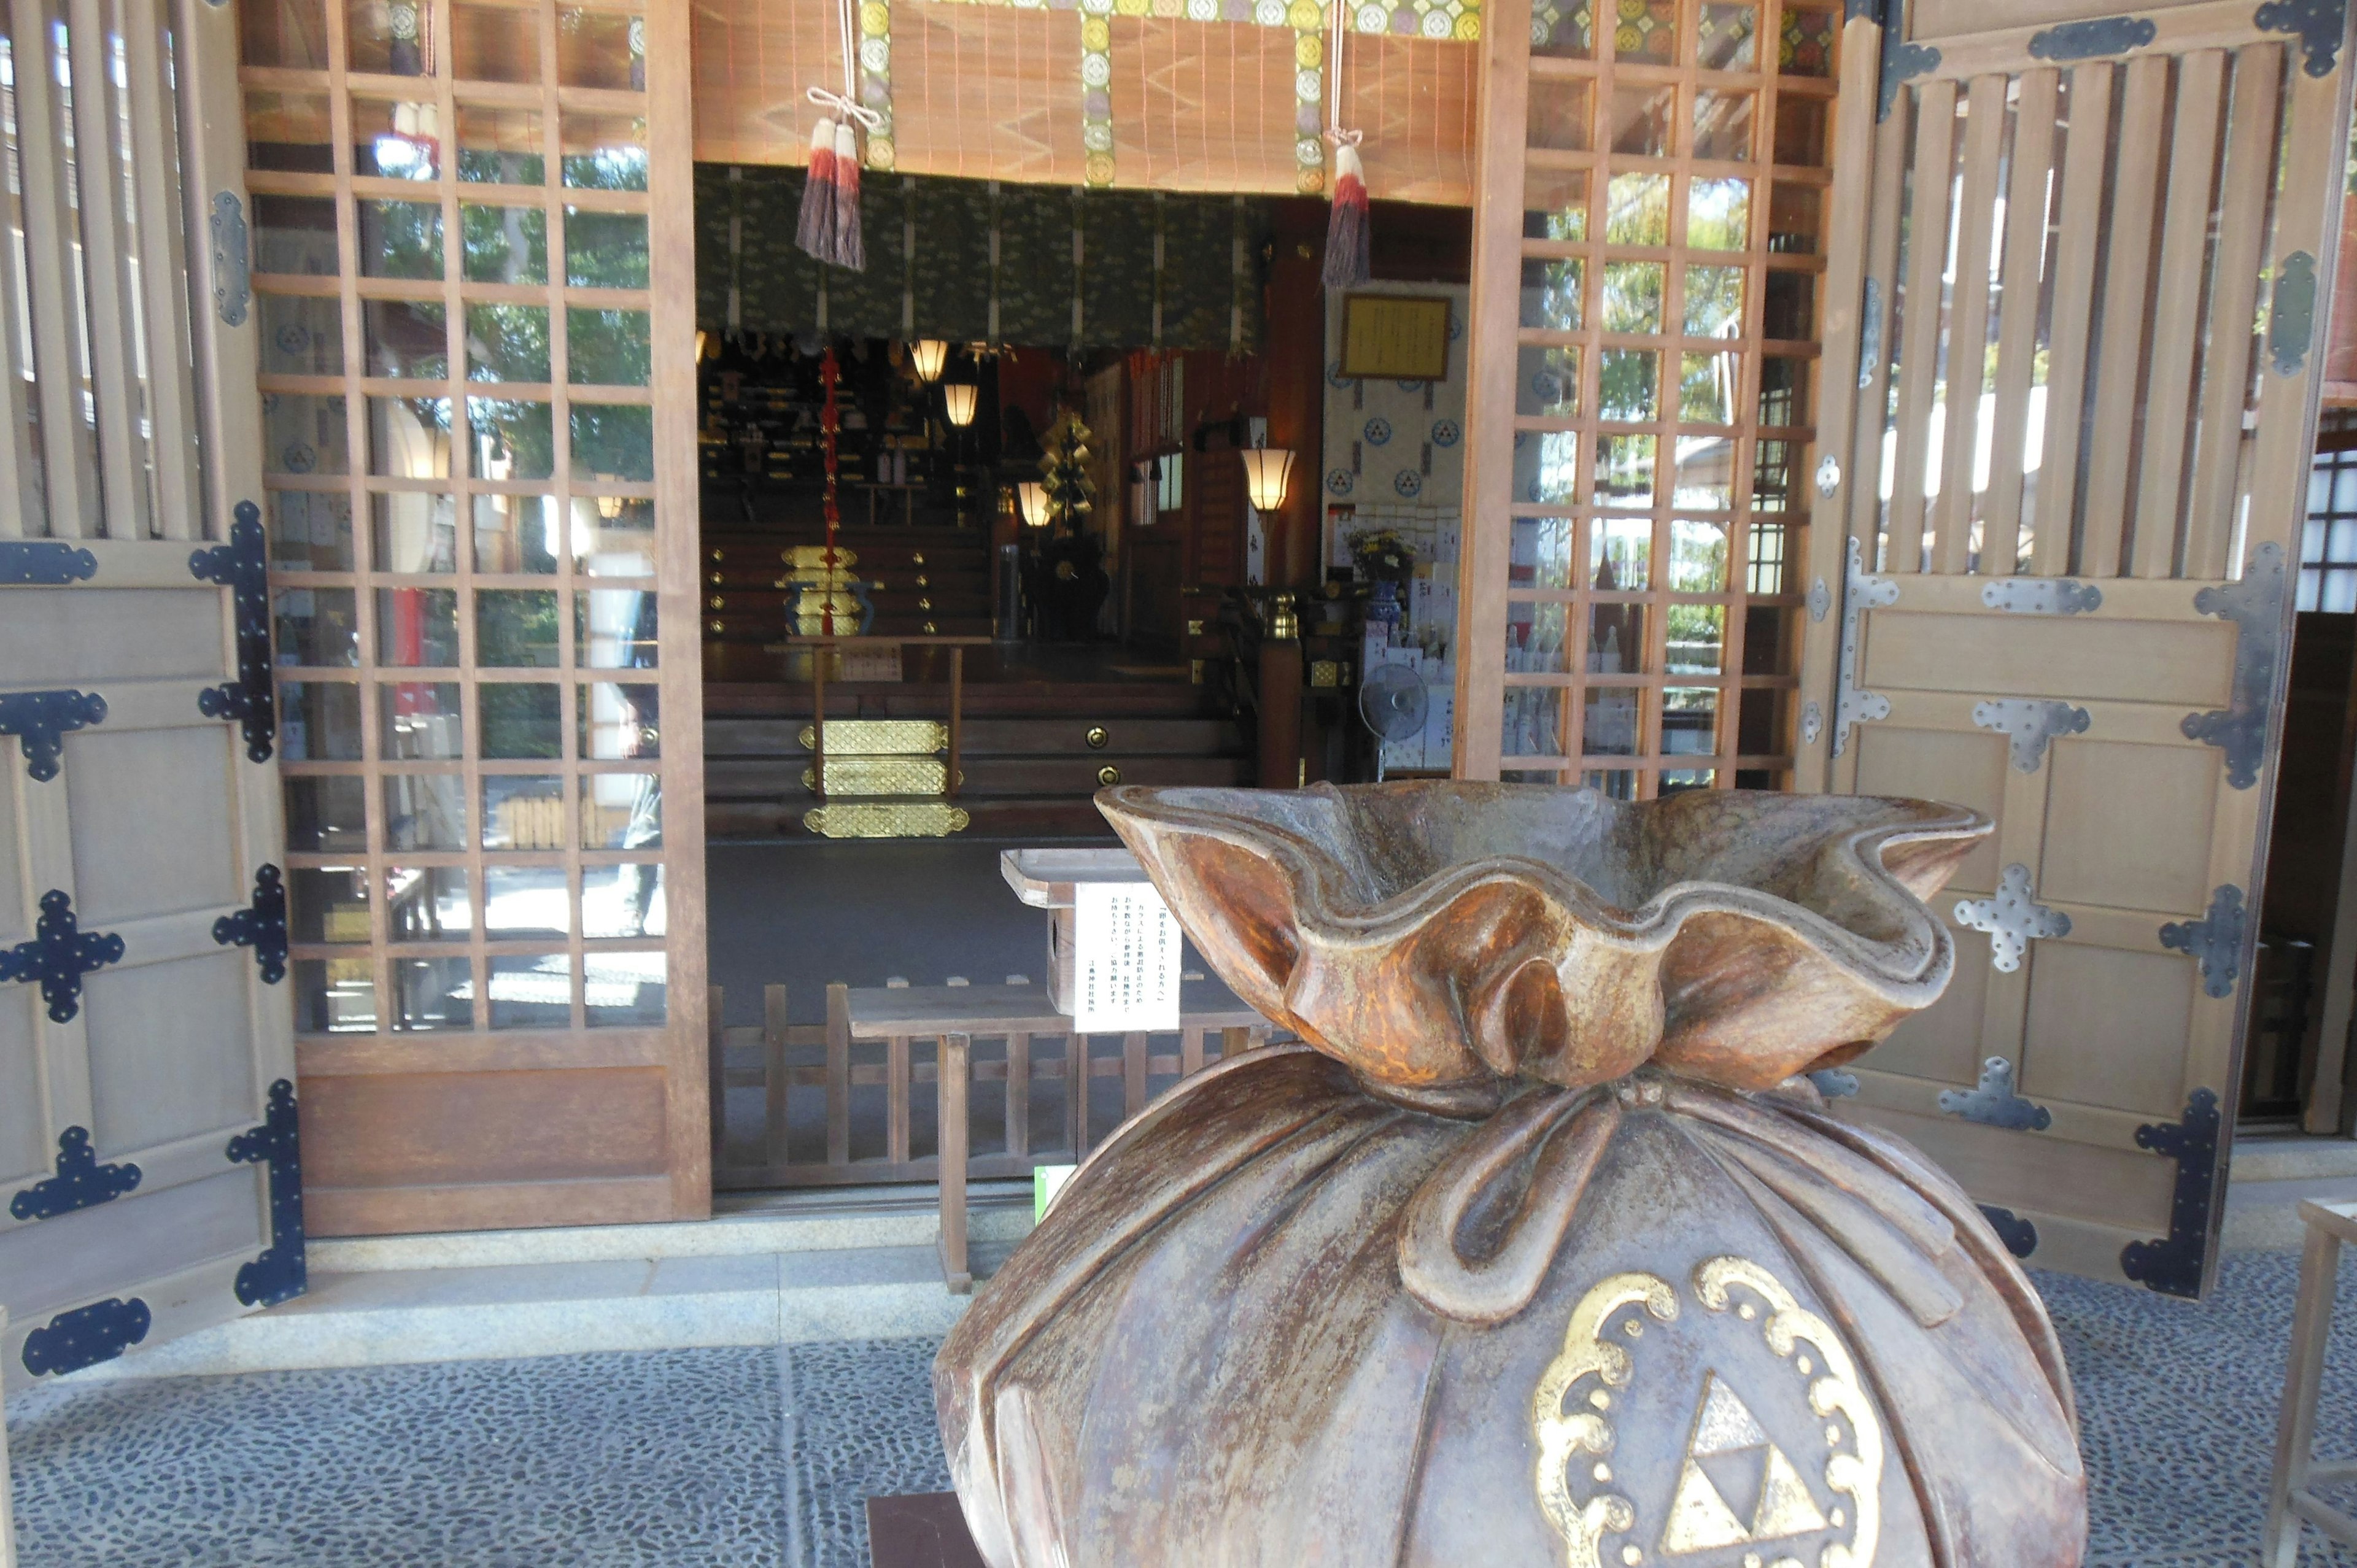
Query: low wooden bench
2293, 1498
955, 1015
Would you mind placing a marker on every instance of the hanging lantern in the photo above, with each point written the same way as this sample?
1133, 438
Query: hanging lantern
1265, 471
1033, 494
927, 356
959, 398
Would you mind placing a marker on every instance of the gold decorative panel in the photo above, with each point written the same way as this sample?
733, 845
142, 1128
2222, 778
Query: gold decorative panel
885, 820
881, 776
884, 737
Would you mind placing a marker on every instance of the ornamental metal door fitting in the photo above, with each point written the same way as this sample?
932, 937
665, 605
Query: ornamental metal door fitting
1994, 1103
2028, 723
2214, 941
1862, 591
2012, 917
2041, 596
2255, 606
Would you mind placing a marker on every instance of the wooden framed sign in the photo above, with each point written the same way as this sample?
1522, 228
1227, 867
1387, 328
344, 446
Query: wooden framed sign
1396, 336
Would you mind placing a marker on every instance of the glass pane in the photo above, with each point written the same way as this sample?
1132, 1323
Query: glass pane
532, 993
1617, 784
1806, 48
310, 531
1551, 295
605, 152
327, 904
613, 441
1643, 114
1697, 557
413, 532
504, 244
1564, 29
521, 721
1772, 478
622, 989
1561, 115
1764, 566
1609, 727
607, 348
619, 723
1800, 130
1727, 37
409, 437
1647, 31
1628, 385
320, 627
499, 146
396, 141
334, 995
291, 35
425, 811
1532, 721
513, 440
1783, 390
1618, 549
605, 250
417, 627
622, 811
1534, 637
1624, 470
1554, 204
1696, 632
523, 811
614, 629
622, 901
295, 234
1632, 296
320, 721
433, 994
516, 628
507, 342
613, 537
515, 533
1616, 640
1679, 782
427, 904
1722, 123
1718, 214
405, 339
400, 238
301, 334
521, 902
601, 48
494, 43
1790, 309
324, 815
387, 36
305, 435
1546, 466
419, 720
1689, 720
1794, 218
1547, 382
1637, 210
1540, 554
1708, 387
1706, 477
1714, 306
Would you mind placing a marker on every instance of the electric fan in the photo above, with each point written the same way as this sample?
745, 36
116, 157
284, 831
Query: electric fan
1393, 701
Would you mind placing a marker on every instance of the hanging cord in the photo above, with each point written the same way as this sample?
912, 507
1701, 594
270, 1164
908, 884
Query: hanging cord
1335, 135
1347, 239
845, 104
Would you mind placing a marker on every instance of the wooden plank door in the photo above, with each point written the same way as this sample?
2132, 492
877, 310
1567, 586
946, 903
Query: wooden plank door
1652, 238
474, 272
147, 1118
2093, 256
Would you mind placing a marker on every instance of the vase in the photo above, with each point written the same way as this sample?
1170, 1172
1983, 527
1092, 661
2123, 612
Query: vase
1540, 1246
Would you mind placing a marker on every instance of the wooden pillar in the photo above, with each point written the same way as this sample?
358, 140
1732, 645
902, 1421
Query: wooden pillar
950, 1084
1280, 700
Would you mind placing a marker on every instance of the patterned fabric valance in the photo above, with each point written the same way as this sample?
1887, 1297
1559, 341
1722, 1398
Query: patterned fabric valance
1091, 269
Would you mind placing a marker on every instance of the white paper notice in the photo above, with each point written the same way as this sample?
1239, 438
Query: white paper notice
1125, 959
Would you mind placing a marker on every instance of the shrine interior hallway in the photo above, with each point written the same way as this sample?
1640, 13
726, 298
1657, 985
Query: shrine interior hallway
760, 1456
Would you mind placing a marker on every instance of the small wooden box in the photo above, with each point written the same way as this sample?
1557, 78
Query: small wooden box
1044, 878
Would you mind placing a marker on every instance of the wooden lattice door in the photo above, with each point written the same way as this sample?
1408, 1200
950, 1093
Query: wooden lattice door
2080, 289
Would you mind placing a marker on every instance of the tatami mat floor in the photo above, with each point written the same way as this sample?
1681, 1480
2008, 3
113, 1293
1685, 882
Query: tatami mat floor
760, 1457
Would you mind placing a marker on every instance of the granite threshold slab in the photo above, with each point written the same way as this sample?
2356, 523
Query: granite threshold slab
761, 1273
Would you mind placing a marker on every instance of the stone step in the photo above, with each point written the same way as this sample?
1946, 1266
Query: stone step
2263, 1216
2280, 1157
812, 1268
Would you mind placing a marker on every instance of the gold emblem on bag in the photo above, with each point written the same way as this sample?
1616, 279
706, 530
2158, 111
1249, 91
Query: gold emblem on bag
1574, 1407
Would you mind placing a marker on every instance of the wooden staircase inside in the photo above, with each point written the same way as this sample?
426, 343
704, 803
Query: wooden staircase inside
1033, 753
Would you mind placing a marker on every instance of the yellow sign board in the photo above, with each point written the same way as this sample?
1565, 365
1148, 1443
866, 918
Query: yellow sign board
1396, 336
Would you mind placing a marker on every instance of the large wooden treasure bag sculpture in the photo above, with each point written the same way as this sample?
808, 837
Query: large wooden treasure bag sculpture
1543, 1251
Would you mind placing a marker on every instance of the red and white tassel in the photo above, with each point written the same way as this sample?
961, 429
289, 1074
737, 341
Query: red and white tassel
850, 249
1348, 263
814, 231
